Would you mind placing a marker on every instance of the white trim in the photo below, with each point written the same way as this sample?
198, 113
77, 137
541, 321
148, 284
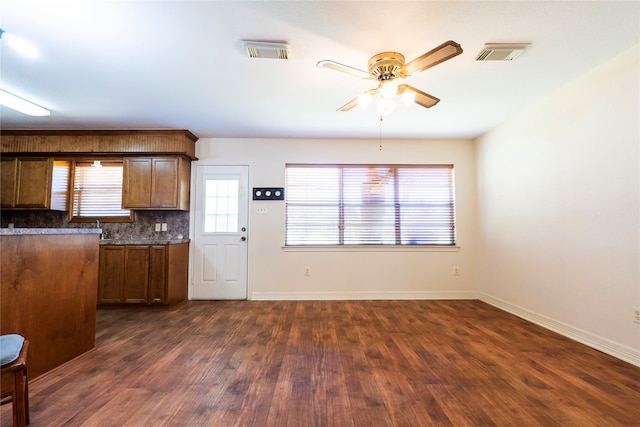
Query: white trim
605, 345
367, 295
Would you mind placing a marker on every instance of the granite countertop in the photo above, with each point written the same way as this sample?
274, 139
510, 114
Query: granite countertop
56, 231
32, 231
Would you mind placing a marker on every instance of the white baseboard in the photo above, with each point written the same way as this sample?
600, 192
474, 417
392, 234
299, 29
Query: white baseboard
368, 295
599, 343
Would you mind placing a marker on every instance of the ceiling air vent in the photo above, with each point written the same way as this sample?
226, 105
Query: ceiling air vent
501, 52
274, 50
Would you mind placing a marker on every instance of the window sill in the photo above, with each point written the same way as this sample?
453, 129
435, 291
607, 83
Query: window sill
371, 248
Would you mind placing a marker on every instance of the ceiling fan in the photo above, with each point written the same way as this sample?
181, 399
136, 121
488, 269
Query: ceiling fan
386, 67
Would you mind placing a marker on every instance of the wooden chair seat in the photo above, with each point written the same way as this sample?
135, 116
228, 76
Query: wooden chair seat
19, 386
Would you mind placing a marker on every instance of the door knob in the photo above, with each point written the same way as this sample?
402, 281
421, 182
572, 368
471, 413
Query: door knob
243, 238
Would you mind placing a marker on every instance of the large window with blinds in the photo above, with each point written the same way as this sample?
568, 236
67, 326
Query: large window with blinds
97, 192
369, 205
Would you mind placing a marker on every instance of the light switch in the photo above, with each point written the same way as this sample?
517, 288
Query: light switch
268, 193
158, 227
164, 226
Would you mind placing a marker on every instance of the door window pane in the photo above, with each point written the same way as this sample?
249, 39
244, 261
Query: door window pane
221, 206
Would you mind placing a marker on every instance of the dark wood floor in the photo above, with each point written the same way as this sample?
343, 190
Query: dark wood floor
333, 363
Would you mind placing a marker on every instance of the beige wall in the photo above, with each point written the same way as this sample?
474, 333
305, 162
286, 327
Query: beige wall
559, 208
392, 273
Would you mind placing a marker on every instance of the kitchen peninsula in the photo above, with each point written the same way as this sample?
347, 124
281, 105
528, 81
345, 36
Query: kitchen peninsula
49, 288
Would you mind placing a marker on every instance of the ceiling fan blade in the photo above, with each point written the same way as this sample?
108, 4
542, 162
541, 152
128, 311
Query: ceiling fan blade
332, 65
446, 50
420, 97
349, 105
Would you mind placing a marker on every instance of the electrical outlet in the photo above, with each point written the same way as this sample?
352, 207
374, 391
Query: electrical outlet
636, 314
158, 227
164, 226
306, 272
456, 271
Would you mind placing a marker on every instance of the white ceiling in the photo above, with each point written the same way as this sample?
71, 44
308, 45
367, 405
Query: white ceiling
180, 64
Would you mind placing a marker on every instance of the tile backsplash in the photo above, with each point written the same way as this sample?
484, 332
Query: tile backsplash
143, 226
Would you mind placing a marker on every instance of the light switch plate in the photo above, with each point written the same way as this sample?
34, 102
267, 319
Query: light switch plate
268, 193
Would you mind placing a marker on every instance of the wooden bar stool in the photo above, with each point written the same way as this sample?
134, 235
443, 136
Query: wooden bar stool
13, 349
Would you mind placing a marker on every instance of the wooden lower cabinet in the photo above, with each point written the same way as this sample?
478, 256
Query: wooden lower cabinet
143, 274
136, 274
157, 274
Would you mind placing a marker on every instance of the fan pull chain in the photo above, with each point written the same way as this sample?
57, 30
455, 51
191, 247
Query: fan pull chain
380, 135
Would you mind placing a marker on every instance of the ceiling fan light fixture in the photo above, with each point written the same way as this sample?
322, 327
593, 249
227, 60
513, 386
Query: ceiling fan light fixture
408, 97
389, 70
389, 89
365, 99
386, 106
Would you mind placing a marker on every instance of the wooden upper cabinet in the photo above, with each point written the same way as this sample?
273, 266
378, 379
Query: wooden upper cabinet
156, 183
34, 183
136, 184
8, 169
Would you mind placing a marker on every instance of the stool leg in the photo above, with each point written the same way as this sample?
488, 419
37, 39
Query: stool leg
26, 395
18, 399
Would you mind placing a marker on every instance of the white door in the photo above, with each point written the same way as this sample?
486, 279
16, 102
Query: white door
220, 232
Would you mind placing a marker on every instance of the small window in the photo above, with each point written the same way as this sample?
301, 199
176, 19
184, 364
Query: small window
221, 205
97, 192
369, 205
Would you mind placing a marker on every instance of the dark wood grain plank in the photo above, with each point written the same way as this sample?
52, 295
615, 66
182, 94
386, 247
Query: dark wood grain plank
333, 363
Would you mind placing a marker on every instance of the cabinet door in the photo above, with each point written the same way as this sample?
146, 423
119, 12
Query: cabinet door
111, 279
157, 274
164, 183
8, 169
136, 273
177, 272
33, 183
136, 185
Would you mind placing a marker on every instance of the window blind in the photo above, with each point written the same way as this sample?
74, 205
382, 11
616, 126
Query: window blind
97, 191
369, 205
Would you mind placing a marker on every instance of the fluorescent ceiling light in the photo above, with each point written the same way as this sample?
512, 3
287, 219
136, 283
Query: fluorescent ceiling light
20, 45
22, 105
